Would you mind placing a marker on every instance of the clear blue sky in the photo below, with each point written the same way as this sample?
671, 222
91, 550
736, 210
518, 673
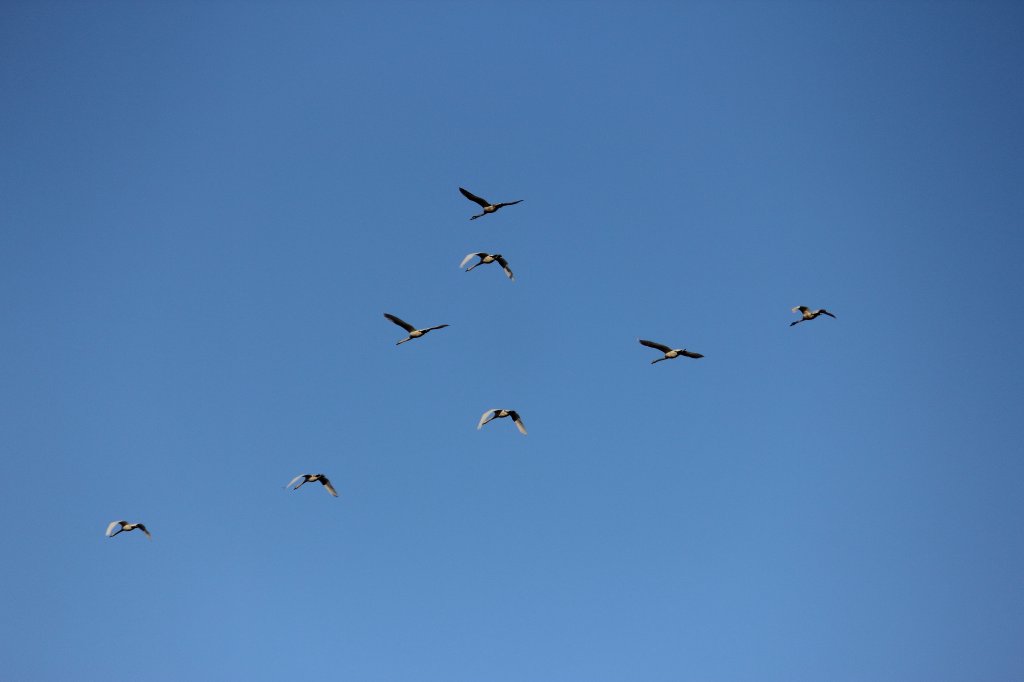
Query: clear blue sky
207, 207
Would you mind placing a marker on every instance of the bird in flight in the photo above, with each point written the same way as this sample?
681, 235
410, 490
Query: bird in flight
125, 526
500, 414
486, 258
669, 352
487, 206
809, 314
413, 332
310, 478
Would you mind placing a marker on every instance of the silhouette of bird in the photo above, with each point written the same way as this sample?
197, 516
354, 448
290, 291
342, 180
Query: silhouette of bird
125, 526
669, 352
486, 258
310, 478
413, 332
500, 414
487, 206
809, 314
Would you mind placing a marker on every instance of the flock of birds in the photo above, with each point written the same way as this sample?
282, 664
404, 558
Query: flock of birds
806, 314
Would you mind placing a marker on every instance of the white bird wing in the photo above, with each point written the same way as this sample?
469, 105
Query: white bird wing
110, 528
295, 479
484, 419
518, 421
466, 259
327, 484
504, 266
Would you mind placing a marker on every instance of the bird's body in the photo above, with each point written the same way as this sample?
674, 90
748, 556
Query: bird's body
808, 314
312, 478
125, 527
487, 206
486, 258
413, 332
670, 353
500, 414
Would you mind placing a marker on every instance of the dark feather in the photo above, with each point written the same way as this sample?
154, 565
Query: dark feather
472, 197
401, 323
652, 344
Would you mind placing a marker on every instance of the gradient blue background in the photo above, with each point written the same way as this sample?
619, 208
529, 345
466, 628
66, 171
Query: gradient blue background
207, 207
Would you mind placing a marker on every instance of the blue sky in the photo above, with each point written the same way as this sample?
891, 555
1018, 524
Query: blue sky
208, 207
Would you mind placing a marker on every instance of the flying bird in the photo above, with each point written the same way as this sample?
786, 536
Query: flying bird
125, 526
486, 258
487, 206
413, 332
809, 314
669, 352
310, 478
500, 414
